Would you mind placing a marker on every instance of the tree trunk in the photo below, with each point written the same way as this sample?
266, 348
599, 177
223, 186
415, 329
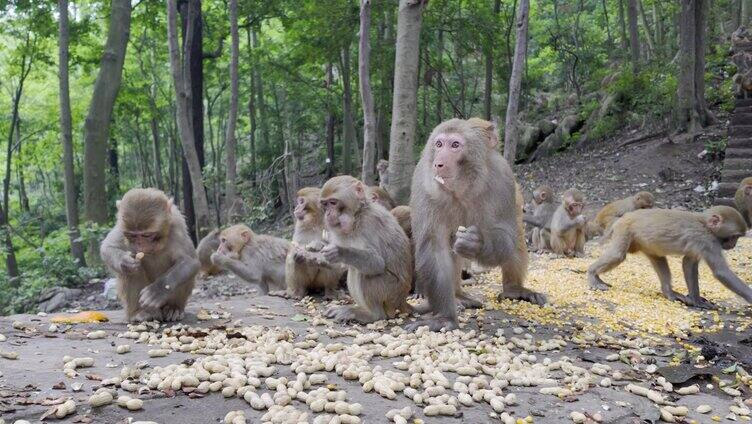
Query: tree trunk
154, 125
488, 86
252, 109
624, 40
366, 95
260, 104
113, 180
701, 20
11, 265
515, 83
181, 75
686, 116
23, 197
646, 24
330, 121
348, 125
659, 38
608, 24
634, 37
232, 119
97, 124
404, 105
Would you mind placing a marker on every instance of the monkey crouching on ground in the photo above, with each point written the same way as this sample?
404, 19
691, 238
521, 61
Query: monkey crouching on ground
305, 267
743, 199
664, 232
465, 205
256, 258
204, 250
615, 210
367, 238
543, 211
152, 255
568, 225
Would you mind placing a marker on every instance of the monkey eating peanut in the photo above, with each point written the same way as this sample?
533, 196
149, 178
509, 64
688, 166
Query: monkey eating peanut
663, 232
151, 254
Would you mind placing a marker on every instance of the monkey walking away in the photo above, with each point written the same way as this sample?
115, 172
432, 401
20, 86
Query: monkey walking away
664, 232
368, 240
305, 267
465, 204
256, 258
152, 255
743, 199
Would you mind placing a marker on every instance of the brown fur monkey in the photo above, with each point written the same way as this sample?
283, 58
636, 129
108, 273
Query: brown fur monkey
305, 267
466, 205
543, 211
256, 258
664, 232
380, 196
204, 250
368, 239
743, 199
615, 210
152, 255
568, 225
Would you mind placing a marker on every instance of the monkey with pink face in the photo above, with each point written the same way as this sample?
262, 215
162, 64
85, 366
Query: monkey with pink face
466, 205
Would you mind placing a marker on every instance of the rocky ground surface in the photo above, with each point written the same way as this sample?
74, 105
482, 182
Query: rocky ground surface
623, 356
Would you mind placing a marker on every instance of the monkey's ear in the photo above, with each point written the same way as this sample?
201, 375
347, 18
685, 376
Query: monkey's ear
543, 195
748, 190
493, 135
360, 191
715, 221
246, 236
170, 202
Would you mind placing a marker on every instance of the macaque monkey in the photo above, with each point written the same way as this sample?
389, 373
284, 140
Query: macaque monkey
204, 250
568, 225
402, 215
465, 205
383, 167
305, 267
368, 239
152, 255
743, 199
663, 232
543, 211
256, 258
380, 196
615, 210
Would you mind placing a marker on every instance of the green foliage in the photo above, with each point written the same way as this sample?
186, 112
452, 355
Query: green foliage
716, 148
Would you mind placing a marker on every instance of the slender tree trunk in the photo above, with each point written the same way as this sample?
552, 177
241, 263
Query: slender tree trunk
634, 36
348, 122
260, 103
330, 121
659, 38
97, 124
11, 265
404, 106
439, 76
648, 31
608, 24
700, 45
366, 95
252, 109
113, 180
515, 83
686, 116
624, 39
156, 150
232, 119
23, 197
181, 76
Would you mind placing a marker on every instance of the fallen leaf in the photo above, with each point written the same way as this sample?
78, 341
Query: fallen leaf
59, 386
80, 318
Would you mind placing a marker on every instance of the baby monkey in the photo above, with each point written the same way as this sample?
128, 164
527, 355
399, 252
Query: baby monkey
663, 232
568, 225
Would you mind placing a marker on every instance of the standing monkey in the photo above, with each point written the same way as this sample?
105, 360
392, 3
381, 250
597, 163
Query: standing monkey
568, 225
305, 267
256, 258
743, 199
367, 238
543, 212
152, 255
615, 210
663, 232
465, 204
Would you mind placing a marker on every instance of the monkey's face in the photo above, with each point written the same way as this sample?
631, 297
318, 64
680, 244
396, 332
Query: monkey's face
145, 241
727, 225
382, 166
338, 215
448, 155
644, 200
573, 207
301, 209
233, 240
748, 191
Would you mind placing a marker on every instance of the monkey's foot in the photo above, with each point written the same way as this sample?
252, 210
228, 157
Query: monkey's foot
468, 302
416, 296
283, 294
523, 294
434, 324
172, 313
422, 308
699, 302
596, 283
347, 314
147, 315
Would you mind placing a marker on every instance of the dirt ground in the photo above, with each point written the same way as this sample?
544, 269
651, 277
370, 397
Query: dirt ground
649, 336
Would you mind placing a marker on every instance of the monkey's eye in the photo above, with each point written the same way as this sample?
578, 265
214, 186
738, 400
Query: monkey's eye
455, 145
439, 143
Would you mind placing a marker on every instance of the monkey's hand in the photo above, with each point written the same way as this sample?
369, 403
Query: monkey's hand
218, 258
154, 295
129, 264
315, 246
580, 221
332, 253
468, 242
